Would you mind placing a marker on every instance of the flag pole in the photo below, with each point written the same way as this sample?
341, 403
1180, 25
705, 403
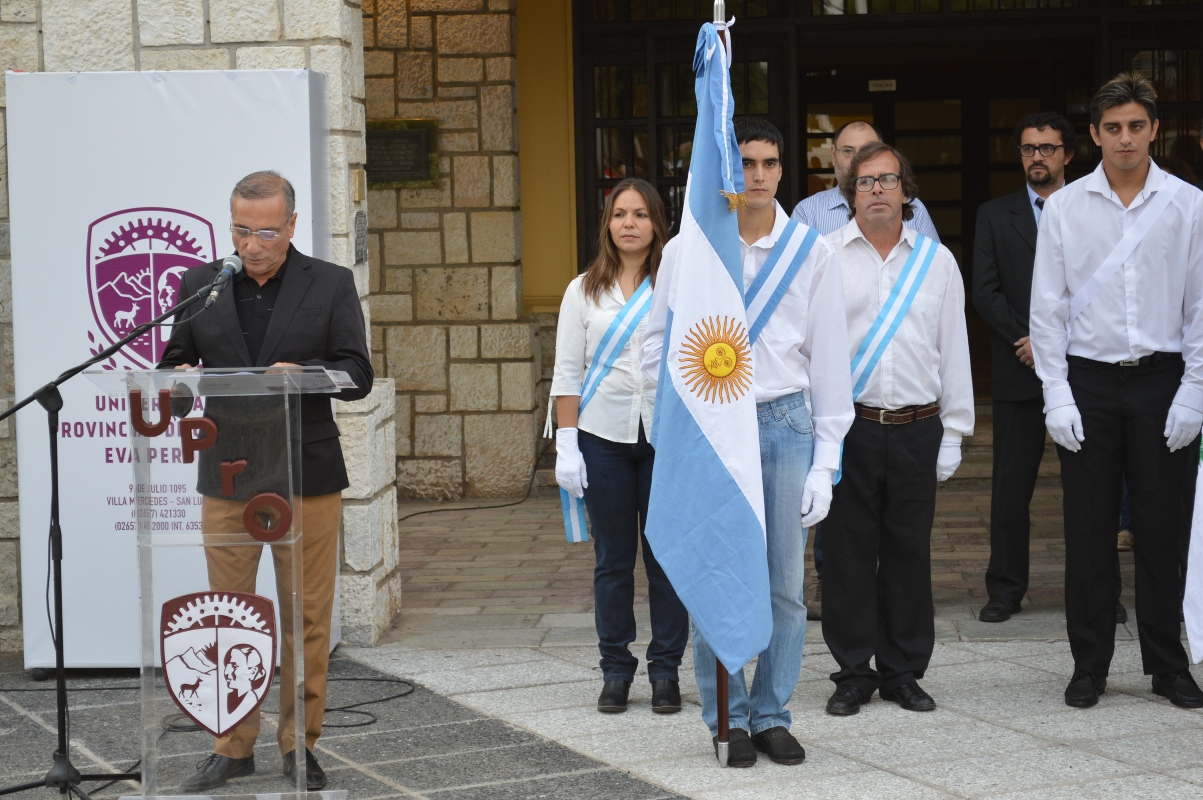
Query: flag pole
720, 672
724, 733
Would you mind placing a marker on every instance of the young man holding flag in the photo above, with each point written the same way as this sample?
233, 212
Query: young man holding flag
914, 402
798, 377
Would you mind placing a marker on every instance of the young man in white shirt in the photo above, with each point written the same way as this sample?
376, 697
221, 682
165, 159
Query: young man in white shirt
914, 403
800, 356
1117, 335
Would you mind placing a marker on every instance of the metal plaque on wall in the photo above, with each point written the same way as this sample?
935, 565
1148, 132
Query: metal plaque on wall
361, 237
402, 153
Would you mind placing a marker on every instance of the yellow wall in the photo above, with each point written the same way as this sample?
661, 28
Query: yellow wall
546, 152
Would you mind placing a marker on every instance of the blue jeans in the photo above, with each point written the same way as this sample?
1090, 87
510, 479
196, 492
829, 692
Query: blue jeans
620, 482
786, 451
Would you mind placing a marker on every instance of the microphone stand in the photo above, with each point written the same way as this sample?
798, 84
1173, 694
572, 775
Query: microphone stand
63, 775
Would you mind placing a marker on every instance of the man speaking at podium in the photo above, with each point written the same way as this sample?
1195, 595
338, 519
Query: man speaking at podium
284, 309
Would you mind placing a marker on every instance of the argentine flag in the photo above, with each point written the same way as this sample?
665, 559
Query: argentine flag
706, 517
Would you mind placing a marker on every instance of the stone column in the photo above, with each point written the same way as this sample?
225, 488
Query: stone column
446, 261
370, 580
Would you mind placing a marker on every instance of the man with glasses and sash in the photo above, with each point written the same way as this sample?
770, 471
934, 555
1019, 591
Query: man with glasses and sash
1117, 335
913, 395
799, 375
827, 212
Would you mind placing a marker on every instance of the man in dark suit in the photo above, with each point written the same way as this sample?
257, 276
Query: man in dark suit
1003, 253
285, 309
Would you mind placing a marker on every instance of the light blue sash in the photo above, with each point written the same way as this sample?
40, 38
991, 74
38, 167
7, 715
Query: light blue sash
775, 277
608, 350
893, 311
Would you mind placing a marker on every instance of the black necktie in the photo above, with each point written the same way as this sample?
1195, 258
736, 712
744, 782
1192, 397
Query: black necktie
1040, 203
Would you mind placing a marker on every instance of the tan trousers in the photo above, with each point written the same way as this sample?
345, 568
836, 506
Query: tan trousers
233, 569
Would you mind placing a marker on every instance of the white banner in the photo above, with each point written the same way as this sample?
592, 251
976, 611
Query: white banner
118, 183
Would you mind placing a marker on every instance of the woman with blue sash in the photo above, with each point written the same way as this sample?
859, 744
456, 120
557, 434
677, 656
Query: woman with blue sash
604, 409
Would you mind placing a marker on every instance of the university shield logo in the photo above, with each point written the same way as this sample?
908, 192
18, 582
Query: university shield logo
136, 258
219, 654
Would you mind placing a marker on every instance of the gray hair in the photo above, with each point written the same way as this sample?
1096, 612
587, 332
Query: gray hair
263, 184
1127, 87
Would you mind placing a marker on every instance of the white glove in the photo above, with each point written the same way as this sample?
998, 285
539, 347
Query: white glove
1182, 426
948, 459
816, 496
570, 464
1065, 426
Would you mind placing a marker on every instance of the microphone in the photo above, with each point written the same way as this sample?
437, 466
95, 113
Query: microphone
230, 266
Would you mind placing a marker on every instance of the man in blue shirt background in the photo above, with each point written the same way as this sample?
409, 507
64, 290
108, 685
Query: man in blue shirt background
828, 211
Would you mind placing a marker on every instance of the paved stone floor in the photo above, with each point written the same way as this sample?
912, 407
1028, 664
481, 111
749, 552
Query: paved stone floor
498, 636
489, 577
498, 617
1001, 731
423, 745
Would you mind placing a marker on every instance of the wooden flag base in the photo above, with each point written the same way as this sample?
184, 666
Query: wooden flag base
724, 732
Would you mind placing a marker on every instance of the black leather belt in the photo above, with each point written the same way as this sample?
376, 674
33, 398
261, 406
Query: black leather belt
897, 416
1130, 362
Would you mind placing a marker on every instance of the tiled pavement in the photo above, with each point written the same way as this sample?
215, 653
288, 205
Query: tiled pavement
1001, 731
488, 576
497, 632
423, 745
498, 617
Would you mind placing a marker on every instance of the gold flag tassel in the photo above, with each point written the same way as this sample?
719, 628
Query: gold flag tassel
734, 199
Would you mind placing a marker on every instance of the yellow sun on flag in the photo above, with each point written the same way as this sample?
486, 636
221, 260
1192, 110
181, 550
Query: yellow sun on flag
716, 360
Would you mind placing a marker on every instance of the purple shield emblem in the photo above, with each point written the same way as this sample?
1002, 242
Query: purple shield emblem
219, 654
136, 258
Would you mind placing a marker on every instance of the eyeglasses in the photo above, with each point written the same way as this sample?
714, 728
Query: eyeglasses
265, 234
888, 181
846, 152
1046, 150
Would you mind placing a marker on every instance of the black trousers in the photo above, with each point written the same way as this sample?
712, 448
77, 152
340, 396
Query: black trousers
1123, 415
620, 483
877, 596
1018, 448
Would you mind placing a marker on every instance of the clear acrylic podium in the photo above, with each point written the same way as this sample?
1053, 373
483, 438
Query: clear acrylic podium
215, 467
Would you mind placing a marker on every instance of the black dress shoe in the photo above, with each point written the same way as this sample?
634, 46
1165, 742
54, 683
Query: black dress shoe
910, 697
1179, 688
779, 745
1084, 689
215, 770
666, 697
315, 778
1121, 613
998, 610
740, 752
613, 697
847, 700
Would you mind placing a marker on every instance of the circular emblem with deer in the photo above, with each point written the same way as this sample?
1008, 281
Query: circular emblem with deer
716, 360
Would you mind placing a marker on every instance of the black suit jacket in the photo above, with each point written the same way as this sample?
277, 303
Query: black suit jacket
317, 321
1004, 251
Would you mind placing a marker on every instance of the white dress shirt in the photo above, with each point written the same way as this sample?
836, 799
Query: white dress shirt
927, 361
623, 398
827, 212
1152, 304
803, 348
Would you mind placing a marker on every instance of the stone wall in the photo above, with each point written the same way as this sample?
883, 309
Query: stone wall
446, 276
322, 35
